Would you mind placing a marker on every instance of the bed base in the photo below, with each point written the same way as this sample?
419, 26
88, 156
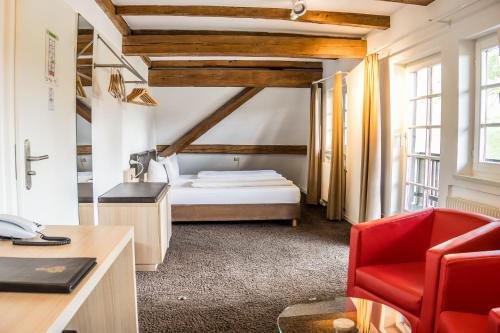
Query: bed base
241, 212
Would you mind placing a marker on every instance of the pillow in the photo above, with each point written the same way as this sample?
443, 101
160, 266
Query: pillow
157, 173
172, 167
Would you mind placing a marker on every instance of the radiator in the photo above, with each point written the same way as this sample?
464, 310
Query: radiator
472, 206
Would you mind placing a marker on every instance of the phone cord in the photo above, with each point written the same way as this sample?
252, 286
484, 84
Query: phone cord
51, 241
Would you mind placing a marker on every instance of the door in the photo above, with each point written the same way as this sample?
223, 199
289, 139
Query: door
45, 31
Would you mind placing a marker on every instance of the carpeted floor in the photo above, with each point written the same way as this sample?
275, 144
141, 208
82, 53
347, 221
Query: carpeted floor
238, 277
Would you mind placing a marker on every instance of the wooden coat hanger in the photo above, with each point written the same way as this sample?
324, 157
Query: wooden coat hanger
141, 96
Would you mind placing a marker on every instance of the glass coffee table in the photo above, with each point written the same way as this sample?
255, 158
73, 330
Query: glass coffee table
341, 315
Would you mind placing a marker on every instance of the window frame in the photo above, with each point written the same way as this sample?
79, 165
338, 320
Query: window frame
410, 69
479, 166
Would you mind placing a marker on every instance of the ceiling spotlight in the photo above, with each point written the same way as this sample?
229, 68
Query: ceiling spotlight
299, 8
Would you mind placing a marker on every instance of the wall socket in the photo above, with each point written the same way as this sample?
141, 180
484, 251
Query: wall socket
236, 160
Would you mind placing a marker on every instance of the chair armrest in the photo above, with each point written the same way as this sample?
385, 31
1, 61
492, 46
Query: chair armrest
469, 282
494, 321
402, 238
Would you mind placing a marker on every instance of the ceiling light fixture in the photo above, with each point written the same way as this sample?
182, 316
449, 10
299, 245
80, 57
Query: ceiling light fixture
299, 8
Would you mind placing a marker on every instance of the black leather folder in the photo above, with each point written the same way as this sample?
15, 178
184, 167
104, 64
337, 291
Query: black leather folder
43, 275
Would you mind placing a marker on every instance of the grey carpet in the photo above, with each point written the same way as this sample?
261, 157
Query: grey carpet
238, 277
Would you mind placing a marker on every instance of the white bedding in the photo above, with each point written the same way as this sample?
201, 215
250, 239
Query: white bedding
238, 174
182, 193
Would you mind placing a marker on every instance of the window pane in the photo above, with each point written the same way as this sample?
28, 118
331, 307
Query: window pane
415, 170
413, 84
492, 65
414, 197
421, 112
422, 82
411, 113
436, 111
490, 105
436, 79
492, 145
432, 198
433, 179
435, 141
417, 141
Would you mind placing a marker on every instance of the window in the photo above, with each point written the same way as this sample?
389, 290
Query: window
423, 148
488, 104
329, 121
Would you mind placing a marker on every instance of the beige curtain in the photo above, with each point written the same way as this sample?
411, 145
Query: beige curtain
314, 174
336, 189
370, 196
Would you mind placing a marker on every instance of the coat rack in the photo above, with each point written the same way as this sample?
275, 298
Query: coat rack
123, 64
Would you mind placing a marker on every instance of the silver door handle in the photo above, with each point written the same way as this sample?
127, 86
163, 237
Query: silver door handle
27, 163
37, 158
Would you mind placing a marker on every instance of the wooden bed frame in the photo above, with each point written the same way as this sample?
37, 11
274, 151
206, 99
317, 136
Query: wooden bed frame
214, 213
240, 212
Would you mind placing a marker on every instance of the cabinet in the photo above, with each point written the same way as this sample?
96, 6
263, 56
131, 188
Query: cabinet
146, 207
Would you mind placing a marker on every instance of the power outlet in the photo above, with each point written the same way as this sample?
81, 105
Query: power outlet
236, 160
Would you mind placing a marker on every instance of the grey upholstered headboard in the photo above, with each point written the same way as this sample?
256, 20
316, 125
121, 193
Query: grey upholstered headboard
143, 158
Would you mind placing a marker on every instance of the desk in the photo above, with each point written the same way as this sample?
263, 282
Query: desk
104, 301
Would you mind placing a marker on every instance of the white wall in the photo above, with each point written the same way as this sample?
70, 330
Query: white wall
275, 116
8, 202
410, 38
355, 84
118, 128
83, 131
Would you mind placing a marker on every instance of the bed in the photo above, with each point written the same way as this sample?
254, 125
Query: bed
233, 203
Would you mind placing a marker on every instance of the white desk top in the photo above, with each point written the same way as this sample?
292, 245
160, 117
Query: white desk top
30, 312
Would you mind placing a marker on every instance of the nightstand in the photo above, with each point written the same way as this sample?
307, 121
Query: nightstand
145, 206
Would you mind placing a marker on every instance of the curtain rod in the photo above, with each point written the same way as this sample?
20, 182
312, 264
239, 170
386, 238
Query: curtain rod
329, 77
123, 64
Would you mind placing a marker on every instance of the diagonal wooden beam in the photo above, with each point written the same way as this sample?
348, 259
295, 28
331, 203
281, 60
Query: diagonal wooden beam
110, 10
83, 110
206, 124
249, 44
311, 16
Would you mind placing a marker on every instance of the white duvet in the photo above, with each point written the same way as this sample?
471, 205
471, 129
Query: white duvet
240, 183
245, 178
239, 174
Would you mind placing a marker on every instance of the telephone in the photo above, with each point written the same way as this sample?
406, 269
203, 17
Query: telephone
16, 228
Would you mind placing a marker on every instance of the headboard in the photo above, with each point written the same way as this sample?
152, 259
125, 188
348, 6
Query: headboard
143, 158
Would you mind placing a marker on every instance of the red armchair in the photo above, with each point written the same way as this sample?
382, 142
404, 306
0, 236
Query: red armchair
469, 293
396, 260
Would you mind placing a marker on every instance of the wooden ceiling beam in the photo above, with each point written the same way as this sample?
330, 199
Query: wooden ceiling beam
241, 149
160, 64
413, 2
311, 16
233, 77
243, 44
206, 124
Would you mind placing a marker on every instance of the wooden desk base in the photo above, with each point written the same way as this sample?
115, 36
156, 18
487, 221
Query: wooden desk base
109, 308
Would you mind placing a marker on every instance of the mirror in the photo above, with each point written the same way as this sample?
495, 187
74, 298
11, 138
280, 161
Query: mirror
84, 62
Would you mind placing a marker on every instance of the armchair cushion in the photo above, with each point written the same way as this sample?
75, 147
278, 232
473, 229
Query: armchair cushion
401, 284
462, 322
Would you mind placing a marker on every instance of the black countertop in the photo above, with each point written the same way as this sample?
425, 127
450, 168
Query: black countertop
135, 193
85, 193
